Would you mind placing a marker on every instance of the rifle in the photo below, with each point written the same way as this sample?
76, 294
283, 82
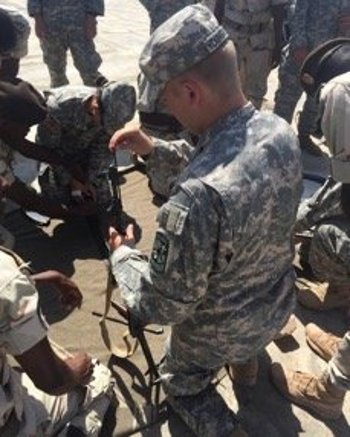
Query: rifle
135, 329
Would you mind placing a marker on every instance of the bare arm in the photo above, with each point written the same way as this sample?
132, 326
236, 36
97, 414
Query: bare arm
29, 199
52, 374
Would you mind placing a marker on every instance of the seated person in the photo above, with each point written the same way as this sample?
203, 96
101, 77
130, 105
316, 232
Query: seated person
326, 71
54, 393
325, 218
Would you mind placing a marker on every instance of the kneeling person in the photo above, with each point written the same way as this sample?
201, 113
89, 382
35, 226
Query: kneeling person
220, 271
53, 392
78, 127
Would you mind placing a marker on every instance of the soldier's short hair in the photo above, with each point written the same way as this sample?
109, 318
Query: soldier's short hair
184, 40
8, 36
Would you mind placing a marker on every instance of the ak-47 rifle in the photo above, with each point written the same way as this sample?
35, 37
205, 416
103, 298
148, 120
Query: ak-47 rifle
116, 218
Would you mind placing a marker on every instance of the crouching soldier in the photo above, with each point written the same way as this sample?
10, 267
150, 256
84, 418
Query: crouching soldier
78, 128
21, 107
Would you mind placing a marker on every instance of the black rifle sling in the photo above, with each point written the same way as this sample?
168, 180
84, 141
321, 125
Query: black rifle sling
219, 10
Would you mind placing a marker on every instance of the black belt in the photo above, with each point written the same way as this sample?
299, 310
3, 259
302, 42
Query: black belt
250, 29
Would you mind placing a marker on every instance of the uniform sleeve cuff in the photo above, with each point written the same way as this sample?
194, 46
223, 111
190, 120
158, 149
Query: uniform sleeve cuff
27, 336
121, 253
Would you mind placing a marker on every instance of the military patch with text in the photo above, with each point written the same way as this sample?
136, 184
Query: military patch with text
160, 252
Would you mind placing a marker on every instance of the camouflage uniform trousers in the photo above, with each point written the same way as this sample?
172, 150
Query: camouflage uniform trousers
55, 182
187, 375
85, 57
254, 67
288, 94
339, 366
328, 251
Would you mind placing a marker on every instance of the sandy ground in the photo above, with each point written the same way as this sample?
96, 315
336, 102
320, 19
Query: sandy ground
71, 248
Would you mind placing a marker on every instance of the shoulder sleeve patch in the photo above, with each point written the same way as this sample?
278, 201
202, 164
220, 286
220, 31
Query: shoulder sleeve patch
176, 217
160, 252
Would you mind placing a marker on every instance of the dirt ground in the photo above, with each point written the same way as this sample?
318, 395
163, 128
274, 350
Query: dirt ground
70, 247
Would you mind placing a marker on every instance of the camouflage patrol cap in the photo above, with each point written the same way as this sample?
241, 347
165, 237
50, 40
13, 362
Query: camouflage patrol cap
118, 100
325, 62
20, 102
181, 42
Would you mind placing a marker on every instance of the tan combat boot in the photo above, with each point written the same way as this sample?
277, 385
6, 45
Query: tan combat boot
315, 394
319, 297
244, 374
322, 343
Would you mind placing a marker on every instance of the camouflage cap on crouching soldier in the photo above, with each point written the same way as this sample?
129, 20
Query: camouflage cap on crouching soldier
326, 61
184, 40
118, 102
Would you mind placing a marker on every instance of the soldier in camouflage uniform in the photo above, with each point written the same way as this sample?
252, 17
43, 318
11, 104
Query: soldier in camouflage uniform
220, 271
57, 392
327, 214
78, 127
68, 24
256, 29
313, 23
10, 60
21, 106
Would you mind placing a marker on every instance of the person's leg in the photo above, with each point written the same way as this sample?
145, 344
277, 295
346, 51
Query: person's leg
289, 89
330, 252
85, 57
54, 50
329, 258
257, 70
241, 46
192, 396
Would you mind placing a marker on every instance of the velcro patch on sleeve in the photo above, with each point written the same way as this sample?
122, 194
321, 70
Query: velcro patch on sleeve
176, 218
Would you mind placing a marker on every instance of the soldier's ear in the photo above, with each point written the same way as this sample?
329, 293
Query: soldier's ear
92, 105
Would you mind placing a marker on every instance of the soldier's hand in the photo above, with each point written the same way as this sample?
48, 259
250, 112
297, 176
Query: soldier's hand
81, 367
131, 138
70, 295
115, 240
40, 27
90, 26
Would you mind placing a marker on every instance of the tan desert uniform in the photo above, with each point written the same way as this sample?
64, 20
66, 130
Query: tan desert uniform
250, 25
25, 410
